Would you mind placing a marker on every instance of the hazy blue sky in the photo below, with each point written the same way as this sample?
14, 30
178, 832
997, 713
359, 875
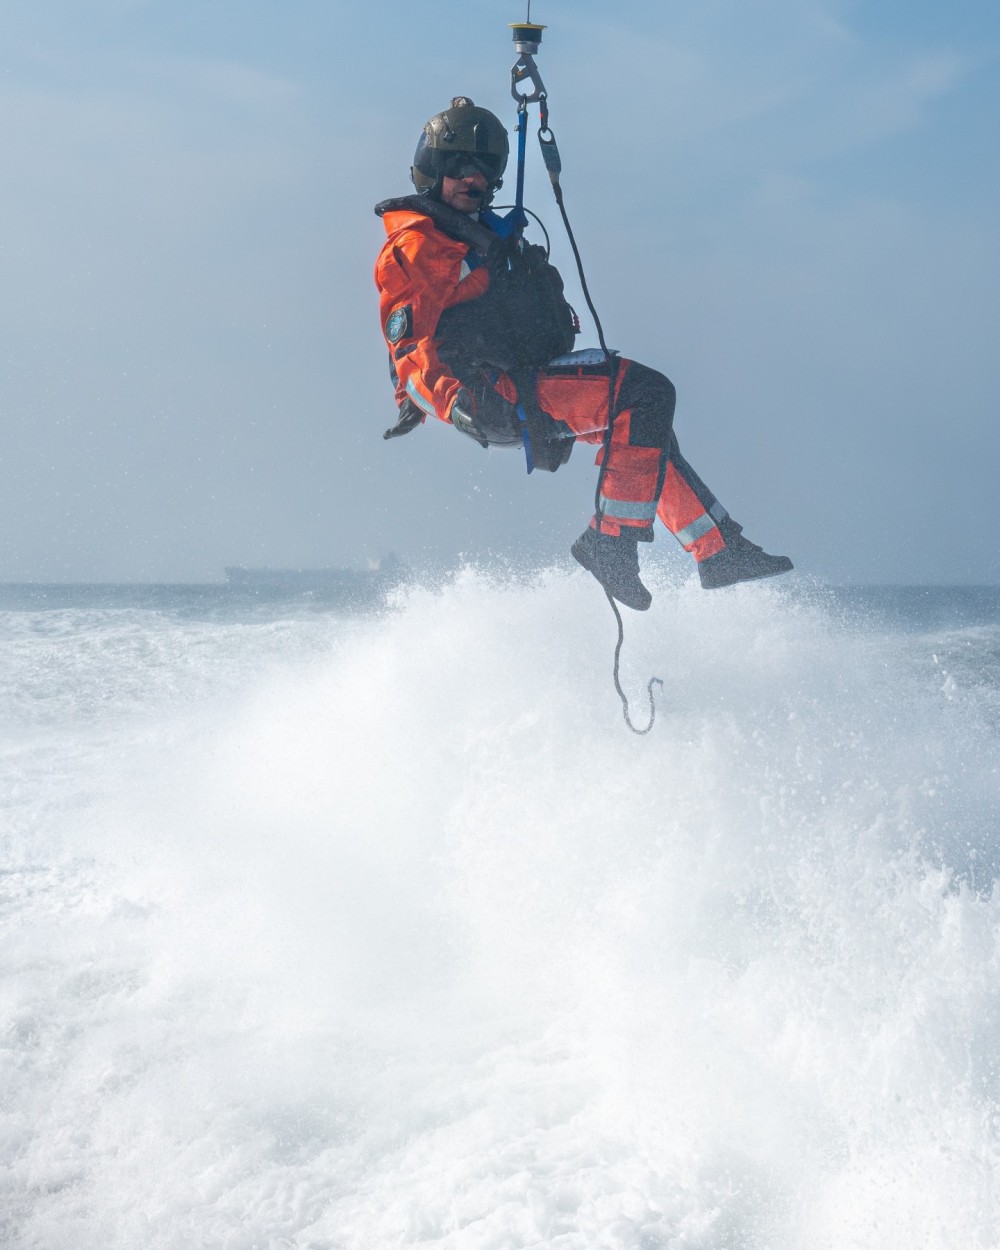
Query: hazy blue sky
789, 206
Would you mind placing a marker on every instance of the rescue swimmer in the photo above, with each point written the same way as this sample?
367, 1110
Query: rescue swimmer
478, 326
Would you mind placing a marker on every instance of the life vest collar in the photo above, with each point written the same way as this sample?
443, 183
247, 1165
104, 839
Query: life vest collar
448, 220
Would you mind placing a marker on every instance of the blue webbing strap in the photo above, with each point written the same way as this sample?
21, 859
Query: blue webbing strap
522, 132
516, 219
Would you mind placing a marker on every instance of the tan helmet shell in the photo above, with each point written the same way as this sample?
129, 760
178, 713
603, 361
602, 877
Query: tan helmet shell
464, 128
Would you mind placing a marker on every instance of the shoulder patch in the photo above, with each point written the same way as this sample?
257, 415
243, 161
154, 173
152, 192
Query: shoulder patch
399, 323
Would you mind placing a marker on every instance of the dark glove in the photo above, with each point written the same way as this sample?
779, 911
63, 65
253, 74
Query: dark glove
534, 257
487, 417
513, 253
409, 418
500, 256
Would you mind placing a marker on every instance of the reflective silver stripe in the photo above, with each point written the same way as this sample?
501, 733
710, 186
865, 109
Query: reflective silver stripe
623, 510
691, 533
419, 400
717, 511
463, 270
586, 356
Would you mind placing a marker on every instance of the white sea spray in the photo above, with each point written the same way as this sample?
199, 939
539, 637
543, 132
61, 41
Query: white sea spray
356, 932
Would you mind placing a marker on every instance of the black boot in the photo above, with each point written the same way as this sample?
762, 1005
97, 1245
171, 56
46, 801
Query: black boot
614, 561
739, 561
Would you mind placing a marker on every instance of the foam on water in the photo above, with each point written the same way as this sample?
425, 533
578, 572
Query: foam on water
365, 933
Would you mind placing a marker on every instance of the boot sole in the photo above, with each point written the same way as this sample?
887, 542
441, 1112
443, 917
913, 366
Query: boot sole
736, 579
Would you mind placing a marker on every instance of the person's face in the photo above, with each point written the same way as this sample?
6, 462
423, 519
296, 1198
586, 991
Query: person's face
464, 193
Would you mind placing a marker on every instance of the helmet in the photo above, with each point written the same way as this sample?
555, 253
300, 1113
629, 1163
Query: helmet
461, 139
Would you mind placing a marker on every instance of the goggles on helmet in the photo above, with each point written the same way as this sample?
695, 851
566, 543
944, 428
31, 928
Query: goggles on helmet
462, 164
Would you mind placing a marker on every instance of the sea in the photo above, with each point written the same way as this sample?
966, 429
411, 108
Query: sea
341, 927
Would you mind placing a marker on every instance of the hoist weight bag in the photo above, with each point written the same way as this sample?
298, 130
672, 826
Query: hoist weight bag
522, 320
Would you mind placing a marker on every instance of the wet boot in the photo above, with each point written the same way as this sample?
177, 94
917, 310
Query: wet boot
614, 561
739, 561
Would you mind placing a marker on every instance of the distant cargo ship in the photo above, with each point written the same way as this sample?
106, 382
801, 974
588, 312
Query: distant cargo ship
341, 583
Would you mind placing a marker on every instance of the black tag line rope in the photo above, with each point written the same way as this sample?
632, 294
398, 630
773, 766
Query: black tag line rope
548, 150
653, 681
526, 40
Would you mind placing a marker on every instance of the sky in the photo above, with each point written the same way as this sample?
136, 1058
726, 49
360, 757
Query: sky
788, 206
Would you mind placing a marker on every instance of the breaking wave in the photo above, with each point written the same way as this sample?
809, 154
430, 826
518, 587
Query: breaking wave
363, 932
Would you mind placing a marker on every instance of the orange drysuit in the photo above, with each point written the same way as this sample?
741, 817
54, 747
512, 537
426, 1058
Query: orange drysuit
422, 272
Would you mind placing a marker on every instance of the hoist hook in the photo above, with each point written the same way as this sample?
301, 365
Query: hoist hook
527, 37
